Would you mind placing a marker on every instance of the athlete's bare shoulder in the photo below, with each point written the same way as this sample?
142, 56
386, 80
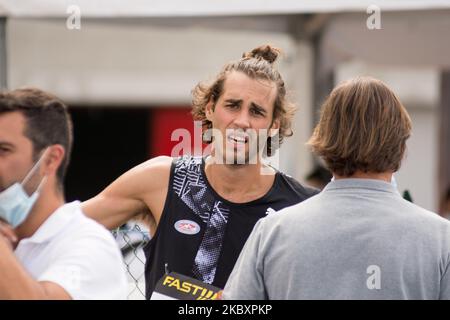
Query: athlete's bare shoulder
142, 188
151, 174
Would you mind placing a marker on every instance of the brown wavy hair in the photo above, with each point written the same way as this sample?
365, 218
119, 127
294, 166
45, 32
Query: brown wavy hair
363, 127
256, 64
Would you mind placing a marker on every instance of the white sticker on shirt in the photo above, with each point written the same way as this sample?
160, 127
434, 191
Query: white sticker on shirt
187, 227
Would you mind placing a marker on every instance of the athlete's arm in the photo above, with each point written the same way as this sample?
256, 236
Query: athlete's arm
143, 188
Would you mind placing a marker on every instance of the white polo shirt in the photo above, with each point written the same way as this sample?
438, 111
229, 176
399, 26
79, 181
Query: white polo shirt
76, 253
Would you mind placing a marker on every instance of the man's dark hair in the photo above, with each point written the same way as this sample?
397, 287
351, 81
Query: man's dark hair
47, 121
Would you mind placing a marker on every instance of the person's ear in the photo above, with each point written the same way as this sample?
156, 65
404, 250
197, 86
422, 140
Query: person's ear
274, 128
53, 159
209, 109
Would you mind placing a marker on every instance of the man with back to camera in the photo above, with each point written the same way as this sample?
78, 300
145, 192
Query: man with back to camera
358, 238
202, 210
59, 253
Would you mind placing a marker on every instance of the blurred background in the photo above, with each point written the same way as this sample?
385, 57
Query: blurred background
126, 70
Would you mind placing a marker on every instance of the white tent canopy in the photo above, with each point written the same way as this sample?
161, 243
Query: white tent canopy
413, 39
173, 8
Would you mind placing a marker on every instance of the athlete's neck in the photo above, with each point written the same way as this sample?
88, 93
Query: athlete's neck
238, 183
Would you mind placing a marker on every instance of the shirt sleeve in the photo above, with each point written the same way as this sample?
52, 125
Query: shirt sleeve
246, 281
89, 267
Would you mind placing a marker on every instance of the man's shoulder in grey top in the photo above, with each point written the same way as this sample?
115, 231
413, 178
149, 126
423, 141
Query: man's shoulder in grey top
357, 239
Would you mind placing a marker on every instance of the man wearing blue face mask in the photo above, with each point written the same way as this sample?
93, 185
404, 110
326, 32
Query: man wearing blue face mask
59, 253
15, 203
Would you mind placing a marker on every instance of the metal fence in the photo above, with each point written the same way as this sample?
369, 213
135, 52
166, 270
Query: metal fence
131, 239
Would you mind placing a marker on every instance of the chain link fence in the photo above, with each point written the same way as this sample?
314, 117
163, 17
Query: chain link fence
132, 238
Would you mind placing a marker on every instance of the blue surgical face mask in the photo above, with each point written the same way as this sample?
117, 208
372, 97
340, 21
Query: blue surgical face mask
15, 203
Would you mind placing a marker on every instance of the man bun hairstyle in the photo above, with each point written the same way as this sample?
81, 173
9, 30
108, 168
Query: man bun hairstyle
256, 64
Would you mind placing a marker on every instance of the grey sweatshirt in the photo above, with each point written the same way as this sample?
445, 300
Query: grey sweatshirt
357, 239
